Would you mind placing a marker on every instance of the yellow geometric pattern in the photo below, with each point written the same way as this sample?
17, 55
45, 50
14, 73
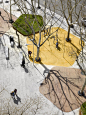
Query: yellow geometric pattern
65, 55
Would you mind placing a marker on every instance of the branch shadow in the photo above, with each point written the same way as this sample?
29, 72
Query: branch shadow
60, 92
78, 50
4, 19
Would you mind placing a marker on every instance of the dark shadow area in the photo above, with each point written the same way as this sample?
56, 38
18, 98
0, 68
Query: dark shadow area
62, 89
68, 40
59, 48
17, 99
1, 2
26, 70
6, 1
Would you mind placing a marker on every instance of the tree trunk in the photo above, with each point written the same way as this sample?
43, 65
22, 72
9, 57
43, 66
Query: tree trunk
45, 14
38, 5
83, 86
38, 52
19, 46
32, 8
68, 35
45, 17
81, 45
10, 19
10, 11
38, 47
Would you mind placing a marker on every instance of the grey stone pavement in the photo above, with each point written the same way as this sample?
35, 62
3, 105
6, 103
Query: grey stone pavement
27, 81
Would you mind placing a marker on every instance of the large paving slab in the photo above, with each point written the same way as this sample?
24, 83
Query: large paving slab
66, 53
27, 83
4, 21
61, 87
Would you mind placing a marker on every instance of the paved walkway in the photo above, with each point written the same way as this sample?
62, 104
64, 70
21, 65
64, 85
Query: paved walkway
61, 87
27, 80
4, 21
66, 53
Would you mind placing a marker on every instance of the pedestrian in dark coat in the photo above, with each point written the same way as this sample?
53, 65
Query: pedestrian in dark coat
15, 91
29, 53
23, 62
57, 44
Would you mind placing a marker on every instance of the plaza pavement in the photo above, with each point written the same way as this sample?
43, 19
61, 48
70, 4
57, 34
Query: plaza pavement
66, 53
27, 80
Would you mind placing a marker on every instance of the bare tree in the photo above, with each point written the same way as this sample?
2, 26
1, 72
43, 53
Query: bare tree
70, 11
25, 10
38, 4
81, 59
81, 32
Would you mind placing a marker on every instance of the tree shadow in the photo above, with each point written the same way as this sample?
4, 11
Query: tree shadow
62, 91
46, 69
78, 50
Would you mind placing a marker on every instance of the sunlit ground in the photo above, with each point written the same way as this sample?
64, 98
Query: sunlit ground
65, 55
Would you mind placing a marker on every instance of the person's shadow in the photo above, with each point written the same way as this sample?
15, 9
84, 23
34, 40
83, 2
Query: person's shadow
26, 70
17, 99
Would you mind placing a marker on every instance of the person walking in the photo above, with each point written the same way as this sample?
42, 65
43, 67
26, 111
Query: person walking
57, 44
13, 93
23, 62
29, 53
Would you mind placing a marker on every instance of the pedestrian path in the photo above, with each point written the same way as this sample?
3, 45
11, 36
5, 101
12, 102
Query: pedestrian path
64, 55
27, 81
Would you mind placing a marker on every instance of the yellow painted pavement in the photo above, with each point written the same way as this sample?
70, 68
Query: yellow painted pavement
65, 55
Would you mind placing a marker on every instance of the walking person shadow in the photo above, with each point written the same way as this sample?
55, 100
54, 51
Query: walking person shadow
17, 100
15, 97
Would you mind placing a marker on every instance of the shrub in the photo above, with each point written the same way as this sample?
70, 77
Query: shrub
83, 109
